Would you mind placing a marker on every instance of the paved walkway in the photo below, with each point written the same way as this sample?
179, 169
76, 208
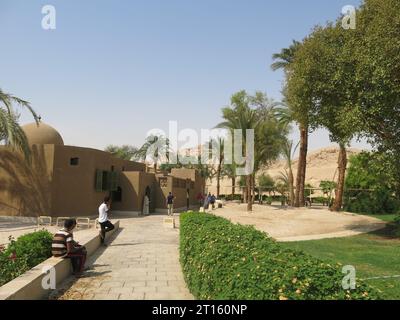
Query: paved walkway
142, 262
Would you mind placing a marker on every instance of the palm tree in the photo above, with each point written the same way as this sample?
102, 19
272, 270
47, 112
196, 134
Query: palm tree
255, 112
217, 146
239, 116
153, 148
284, 60
282, 185
11, 133
288, 152
229, 171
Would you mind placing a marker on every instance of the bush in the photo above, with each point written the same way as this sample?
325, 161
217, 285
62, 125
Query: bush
23, 254
229, 197
370, 186
396, 224
221, 260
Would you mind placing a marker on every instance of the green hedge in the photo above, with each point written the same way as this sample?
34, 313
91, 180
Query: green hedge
221, 260
23, 254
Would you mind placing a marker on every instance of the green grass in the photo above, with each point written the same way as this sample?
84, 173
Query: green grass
375, 254
384, 217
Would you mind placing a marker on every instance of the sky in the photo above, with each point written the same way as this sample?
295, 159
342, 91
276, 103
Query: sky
113, 70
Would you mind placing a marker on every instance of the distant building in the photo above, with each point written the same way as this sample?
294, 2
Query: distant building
72, 181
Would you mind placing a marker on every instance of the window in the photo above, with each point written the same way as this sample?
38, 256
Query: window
106, 181
117, 195
74, 161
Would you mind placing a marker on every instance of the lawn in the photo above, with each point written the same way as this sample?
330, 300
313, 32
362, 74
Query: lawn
373, 255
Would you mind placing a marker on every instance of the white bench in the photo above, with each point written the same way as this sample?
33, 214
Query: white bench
61, 219
44, 221
83, 222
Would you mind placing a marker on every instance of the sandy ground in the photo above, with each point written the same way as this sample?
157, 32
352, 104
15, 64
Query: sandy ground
294, 224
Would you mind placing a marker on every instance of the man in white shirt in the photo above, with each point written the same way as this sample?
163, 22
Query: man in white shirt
105, 224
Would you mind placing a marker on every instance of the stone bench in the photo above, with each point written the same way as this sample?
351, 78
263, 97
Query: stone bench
28, 286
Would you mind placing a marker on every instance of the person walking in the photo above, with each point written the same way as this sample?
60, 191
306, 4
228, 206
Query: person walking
170, 204
212, 201
208, 201
105, 224
200, 199
64, 246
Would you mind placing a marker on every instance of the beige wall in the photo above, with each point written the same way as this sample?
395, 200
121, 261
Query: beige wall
73, 191
25, 188
52, 186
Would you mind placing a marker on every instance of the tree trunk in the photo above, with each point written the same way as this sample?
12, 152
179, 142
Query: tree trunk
342, 164
248, 188
253, 188
233, 187
301, 168
218, 180
291, 187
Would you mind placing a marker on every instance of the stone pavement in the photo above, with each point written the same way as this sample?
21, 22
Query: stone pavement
141, 262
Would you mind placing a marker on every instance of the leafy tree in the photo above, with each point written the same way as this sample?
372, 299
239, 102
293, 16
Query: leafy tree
266, 181
322, 75
327, 186
370, 187
11, 133
375, 49
124, 152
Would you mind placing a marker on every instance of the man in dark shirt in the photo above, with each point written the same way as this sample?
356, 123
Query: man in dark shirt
170, 204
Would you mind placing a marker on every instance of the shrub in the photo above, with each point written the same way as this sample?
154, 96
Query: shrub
221, 260
370, 185
23, 254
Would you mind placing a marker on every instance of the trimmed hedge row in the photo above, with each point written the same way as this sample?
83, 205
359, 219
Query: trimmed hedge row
225, 261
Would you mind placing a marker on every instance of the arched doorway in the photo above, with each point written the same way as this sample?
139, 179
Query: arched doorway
150, 194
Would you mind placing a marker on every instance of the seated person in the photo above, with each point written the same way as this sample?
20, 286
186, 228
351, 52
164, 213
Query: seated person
64, 246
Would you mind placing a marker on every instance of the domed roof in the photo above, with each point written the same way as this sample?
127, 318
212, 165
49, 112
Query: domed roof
42, 134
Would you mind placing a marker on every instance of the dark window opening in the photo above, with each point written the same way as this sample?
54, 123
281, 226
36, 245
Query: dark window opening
106, 180
74, 161
117, 195
112, 168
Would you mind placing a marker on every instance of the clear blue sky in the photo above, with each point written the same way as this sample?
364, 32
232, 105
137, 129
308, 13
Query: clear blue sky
112, 70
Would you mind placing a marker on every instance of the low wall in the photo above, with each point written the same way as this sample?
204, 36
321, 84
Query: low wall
28, 286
